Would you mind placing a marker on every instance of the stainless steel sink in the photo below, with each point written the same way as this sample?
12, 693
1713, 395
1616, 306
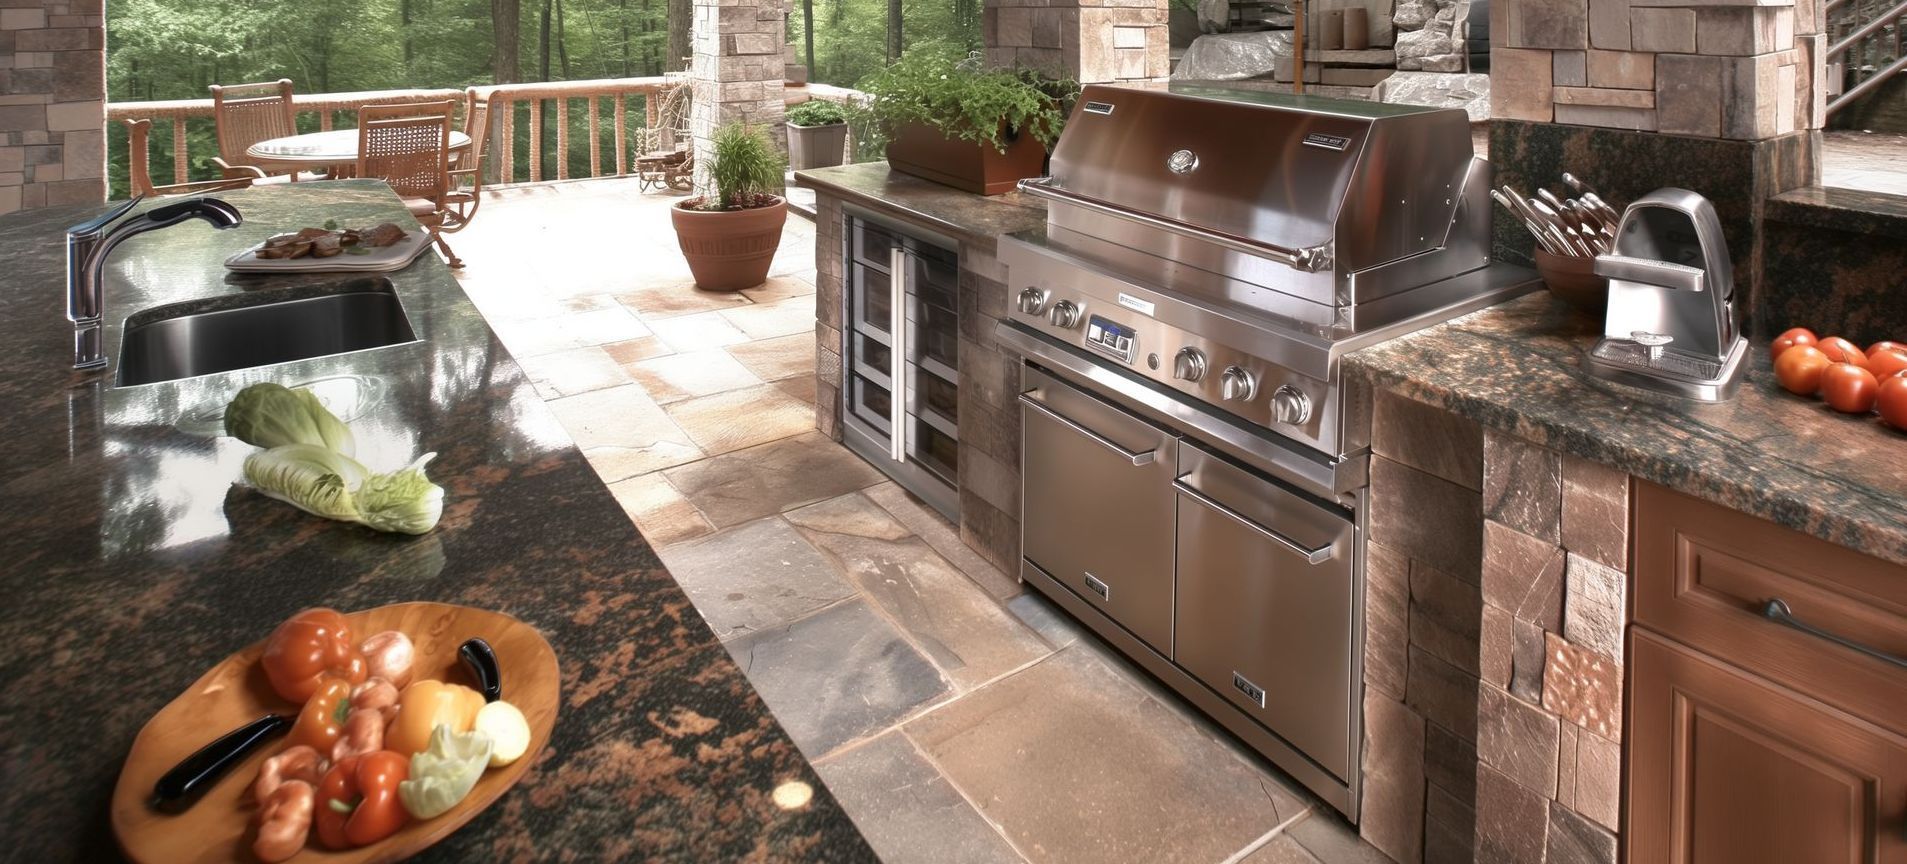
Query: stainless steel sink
260, 328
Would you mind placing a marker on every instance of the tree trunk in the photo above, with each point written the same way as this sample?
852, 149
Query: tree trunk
893, 30
404, 15
681, 12
543, 43
562, 48
506, 18
807, 33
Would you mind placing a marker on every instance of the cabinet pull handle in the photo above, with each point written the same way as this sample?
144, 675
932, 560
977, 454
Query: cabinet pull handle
1311, 555
1777, 610
900, 388
1137, 459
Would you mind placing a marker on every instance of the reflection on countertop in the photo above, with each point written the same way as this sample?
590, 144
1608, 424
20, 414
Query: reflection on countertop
1516, 367
133, 563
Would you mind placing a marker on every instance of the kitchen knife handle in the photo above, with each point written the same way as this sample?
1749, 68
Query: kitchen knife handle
196, 773
481, 659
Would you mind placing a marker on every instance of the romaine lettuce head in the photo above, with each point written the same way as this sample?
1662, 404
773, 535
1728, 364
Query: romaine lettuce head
270, 415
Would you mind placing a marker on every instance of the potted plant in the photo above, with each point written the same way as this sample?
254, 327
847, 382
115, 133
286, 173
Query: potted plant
730, 237
979, 130
817, 134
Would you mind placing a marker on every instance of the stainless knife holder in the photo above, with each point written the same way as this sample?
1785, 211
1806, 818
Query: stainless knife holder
1671, 322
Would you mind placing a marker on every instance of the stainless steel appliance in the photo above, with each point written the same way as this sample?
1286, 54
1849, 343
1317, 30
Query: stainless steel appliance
1671, 321
1194, 477
900, 378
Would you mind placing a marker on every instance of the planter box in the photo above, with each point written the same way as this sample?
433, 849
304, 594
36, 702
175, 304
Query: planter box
924, 152
816, 146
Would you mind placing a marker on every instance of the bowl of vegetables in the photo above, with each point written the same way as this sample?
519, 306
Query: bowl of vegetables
362, 737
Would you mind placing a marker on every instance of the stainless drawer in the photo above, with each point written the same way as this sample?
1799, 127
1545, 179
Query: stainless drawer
1266, 593
1096, 508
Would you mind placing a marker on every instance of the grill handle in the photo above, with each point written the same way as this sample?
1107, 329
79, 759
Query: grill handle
1310, 554
1309, 260
1137, 459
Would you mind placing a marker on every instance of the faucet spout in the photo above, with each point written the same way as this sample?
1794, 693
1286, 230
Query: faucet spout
89, 243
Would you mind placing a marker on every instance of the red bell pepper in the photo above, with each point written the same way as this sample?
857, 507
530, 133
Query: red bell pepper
358, 803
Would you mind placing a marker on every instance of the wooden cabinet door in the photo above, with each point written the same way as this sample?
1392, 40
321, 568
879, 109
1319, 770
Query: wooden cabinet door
1725, 768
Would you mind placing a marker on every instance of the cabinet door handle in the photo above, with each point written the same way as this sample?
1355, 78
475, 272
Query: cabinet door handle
1311, 555
1137, 459
1777, 610
900, 388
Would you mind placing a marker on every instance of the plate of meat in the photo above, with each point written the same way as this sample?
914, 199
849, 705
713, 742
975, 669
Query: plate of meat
330, 249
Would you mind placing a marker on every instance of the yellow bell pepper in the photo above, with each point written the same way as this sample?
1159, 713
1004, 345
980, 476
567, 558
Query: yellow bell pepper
423, 706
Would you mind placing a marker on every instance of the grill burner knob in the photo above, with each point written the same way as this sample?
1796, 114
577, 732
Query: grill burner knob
1189, 365
1237, 384
1032, 301
1065, 314
1290, 405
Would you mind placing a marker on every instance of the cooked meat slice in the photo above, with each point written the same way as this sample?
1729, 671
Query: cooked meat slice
326, 246
284, 251
313, 233
383, 235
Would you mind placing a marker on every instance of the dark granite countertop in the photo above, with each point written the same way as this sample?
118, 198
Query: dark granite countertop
1515, 367
973, 219
1854, 211
133, 564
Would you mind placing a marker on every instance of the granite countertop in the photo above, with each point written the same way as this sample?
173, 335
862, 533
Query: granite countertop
1516, 367
973, 219
134, 564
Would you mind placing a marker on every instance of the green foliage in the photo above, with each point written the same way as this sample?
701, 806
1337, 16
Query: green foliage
817, 112
933, 84
744, 167
850, 36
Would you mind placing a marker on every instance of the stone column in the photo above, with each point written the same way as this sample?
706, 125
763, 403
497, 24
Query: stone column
53, 107
1091, 41
737, 72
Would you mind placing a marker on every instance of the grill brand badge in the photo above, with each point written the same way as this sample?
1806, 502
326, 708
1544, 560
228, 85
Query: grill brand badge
1182, 162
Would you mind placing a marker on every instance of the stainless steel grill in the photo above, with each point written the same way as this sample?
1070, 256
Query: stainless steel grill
1194, 476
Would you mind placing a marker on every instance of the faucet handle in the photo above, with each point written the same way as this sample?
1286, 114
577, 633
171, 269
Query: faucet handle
98, 223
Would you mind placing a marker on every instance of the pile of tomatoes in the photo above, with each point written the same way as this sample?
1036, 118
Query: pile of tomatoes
1850, 380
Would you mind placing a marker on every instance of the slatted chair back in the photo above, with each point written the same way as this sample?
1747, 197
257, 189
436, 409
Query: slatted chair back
246, 114
407, 146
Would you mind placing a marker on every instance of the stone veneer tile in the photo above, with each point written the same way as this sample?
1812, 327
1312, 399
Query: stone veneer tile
1428, 438
1517, 739
1598, 779
1450, 763
1609, 24
1443, 694
1566, 763
1527, 650
1386, 619
1426, 517
1688, 92
1450, 827
1593, 609
1392, 814
1662, 31
1551, 24
1628, 69
1613, 117
1523, 486
1495, 644
1575, 840
1582, 687
1570, 68
1523, 575
1445, 616
1512, 822
1596, 512
1530, 99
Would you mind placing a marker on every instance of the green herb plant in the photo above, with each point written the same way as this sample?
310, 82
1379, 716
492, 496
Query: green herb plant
817, 112
934, 83
745, 169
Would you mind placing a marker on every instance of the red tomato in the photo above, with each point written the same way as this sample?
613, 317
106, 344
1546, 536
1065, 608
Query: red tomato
1887, 361
1842, 351
307, 648
1892, 401
1884, 345
1799, 369
1796, 336
1849, 389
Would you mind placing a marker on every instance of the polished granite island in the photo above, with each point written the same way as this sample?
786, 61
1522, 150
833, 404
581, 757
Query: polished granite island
133, 563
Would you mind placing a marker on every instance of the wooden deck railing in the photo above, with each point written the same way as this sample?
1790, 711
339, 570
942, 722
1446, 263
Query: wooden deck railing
512, 107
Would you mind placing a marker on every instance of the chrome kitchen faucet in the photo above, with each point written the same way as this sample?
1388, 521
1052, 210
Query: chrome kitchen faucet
88, 244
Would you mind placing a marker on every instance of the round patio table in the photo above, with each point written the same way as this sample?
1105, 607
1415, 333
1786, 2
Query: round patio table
337, 147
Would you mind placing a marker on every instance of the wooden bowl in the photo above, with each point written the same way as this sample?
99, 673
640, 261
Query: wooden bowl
1574, 279
219, 826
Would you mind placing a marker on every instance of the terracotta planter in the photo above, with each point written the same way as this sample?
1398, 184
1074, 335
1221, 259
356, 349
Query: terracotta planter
1574, 279
816, 146
729, 250
923, 151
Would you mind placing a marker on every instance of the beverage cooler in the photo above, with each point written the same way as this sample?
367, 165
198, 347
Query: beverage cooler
901, 361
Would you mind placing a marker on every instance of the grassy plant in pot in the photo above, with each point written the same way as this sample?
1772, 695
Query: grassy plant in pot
817, 134
979, 130
730, 237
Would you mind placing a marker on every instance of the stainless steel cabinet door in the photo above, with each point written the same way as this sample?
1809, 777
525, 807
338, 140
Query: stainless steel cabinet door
1096, 507
1265, 604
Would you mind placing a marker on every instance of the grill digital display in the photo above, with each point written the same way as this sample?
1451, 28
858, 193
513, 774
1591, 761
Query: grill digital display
1112, 338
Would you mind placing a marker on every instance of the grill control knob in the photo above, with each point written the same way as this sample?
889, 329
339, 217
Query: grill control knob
1032, 300
1237, 384
1189, 365
1290, 405
1065, 314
